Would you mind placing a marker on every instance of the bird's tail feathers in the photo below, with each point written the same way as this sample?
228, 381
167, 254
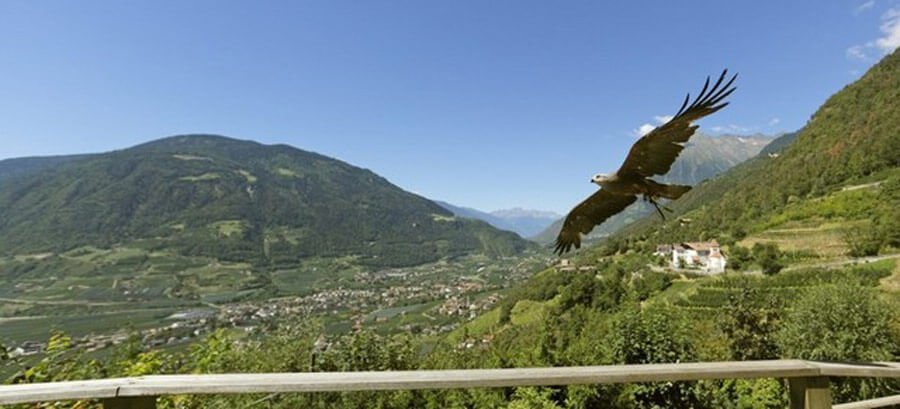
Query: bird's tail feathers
673, 192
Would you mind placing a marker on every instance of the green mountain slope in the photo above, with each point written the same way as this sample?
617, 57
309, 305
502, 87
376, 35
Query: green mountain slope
704, 157
213, 196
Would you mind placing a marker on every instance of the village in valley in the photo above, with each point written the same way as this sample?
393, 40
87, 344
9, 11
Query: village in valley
428, 300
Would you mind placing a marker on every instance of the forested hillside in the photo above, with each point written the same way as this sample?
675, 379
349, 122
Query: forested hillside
10, 168
233, 200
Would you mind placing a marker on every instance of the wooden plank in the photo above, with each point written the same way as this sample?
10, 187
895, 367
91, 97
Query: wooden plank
818, 393
55, 391
810, 393
888, 401
139, 402
860, 370
446, 379
402, 380
797, 393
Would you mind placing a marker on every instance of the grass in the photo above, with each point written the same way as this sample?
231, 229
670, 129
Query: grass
227, 228
851, 204
817, 226
678, 290
483, 324
825, 240
32, 257
247, 175
191, 157
891, 283
286, 172
200, 178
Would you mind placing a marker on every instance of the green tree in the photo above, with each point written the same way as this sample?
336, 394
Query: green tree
841, 322
740, 257
768, 257
750, 329
889, 221
863, 240
765, 393
533, 398
655, 334
889, 227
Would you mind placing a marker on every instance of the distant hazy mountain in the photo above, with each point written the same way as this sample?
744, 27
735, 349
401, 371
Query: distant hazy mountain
704, 157
213, 196
525, 222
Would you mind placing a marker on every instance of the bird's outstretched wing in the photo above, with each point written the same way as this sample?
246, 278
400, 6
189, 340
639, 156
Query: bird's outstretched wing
655, 152
589, 213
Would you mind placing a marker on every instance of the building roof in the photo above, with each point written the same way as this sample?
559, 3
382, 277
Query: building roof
701, 245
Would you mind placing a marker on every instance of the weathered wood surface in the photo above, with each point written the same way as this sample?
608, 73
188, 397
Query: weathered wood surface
158, 385
810, 393
44, 392
886, 402
860, 370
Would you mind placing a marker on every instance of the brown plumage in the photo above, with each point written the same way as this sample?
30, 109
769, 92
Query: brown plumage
652, 155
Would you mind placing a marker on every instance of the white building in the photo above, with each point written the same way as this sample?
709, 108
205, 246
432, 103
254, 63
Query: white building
705, 256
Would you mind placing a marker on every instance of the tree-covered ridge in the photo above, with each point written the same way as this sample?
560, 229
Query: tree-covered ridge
234, 200
16, 167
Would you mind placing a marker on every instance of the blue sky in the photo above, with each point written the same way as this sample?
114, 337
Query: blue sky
489, 104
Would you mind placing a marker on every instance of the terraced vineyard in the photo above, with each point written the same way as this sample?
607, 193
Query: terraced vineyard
777, 291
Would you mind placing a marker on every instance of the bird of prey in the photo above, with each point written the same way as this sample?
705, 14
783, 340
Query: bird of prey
650, 156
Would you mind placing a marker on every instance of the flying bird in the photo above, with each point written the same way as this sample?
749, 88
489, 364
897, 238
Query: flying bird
650, 156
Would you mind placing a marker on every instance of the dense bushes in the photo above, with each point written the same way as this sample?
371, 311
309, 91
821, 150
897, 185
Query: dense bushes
841, 322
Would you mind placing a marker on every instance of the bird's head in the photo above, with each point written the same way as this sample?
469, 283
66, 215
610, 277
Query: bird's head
600, 178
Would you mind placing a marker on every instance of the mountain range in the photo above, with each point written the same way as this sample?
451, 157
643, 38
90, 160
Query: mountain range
524, 222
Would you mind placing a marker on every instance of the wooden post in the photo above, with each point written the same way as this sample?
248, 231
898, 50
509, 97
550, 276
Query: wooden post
810, 393
138, 402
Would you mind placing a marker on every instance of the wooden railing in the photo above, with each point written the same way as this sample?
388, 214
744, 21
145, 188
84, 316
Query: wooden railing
808, 381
